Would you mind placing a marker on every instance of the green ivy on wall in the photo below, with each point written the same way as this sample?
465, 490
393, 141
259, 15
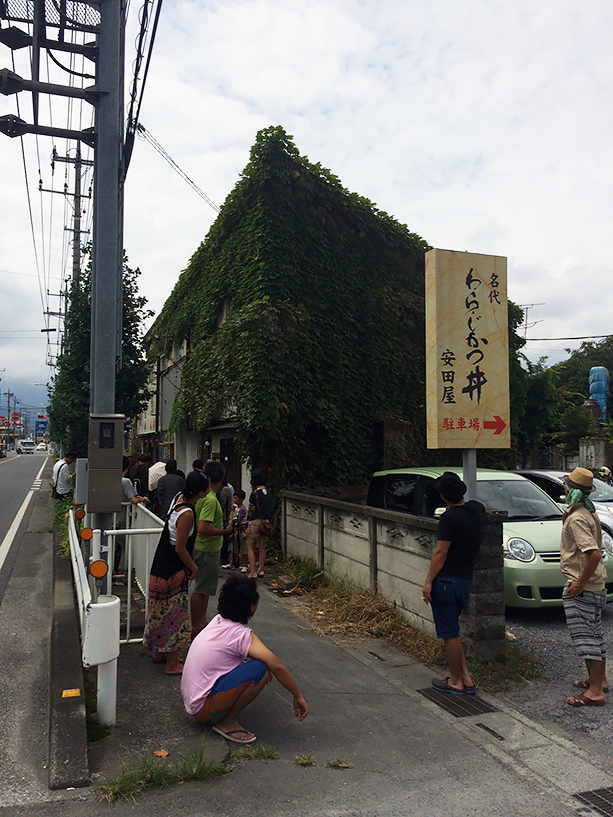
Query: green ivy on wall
303, 305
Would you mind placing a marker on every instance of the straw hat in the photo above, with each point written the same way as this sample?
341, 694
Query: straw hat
581, 478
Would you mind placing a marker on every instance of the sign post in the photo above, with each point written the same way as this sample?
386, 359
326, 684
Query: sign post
467, 354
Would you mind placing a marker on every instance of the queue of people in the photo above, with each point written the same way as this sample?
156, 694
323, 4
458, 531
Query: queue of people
207, 525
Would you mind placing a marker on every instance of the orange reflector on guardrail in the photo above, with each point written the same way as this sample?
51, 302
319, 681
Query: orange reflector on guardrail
86, 534
98, 569
80, 513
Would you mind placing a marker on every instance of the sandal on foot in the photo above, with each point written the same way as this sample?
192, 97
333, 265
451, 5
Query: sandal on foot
582, 700
230, 735
260, 574
586, 685
442, 685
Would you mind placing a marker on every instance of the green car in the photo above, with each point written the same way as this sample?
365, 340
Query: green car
531, 534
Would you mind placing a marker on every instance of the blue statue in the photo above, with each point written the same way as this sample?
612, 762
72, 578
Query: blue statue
599, 387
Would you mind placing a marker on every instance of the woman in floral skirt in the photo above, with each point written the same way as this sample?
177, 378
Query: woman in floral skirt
168, 623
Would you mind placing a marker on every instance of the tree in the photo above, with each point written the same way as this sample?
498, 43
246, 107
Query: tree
572, 375
69, 390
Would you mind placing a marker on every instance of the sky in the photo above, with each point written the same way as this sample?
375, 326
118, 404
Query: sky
483, 125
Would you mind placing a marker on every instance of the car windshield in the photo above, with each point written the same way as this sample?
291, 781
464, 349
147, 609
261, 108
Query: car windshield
521, 499
603, 492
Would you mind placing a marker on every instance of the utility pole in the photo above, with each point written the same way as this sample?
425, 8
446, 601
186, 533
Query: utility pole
77, 195
8, 395
104, 19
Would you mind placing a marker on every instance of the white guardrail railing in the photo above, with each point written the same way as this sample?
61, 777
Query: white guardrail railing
99, 615
142, 535
99, 620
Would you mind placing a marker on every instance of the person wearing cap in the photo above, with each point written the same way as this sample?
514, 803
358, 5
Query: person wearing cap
584, 595
449, 579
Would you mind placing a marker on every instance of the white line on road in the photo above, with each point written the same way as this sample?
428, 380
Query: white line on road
8, 539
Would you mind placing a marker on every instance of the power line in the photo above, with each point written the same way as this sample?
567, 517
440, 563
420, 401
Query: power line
154, 143
581, 337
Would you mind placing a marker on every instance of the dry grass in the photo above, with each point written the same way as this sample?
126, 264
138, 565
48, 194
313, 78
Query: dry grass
336, 609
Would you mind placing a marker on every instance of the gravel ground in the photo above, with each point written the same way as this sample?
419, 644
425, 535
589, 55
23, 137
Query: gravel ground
544, 633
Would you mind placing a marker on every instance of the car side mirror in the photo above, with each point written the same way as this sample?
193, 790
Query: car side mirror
562, 499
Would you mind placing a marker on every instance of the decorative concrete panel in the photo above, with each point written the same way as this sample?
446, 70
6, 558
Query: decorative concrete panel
303, 548
347, 545
405, 566
347, 569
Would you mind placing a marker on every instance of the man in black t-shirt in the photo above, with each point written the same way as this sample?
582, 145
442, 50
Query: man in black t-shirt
450, 575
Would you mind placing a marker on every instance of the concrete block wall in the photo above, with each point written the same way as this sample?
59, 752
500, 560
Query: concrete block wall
389, 552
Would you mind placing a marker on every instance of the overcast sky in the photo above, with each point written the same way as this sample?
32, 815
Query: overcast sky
483, 125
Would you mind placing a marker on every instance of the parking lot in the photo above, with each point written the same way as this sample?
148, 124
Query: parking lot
544, 633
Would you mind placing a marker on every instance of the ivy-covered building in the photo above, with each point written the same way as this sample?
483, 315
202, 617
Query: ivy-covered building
300, 320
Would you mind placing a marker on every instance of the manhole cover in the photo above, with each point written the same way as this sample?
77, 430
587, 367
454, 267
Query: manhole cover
599, 799
461, 706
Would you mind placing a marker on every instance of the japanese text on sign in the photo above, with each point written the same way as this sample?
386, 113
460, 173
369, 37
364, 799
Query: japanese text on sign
466, 350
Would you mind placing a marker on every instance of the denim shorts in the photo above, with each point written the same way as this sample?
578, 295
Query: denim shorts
449, 599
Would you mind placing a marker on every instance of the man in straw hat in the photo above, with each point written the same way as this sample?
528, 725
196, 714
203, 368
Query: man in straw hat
449, 579
584, 595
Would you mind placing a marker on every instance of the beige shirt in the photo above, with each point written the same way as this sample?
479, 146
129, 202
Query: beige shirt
581, 533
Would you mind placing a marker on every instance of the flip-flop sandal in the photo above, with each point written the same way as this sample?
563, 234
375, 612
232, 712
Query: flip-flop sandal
582, 700
228, 735
586, 685
442, 685
470, 690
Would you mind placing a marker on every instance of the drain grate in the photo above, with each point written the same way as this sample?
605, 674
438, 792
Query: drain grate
461, 706
599, 799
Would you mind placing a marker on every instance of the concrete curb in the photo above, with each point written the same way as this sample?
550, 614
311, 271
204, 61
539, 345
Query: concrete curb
68, 761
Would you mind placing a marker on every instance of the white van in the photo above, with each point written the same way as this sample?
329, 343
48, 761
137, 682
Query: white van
25, 446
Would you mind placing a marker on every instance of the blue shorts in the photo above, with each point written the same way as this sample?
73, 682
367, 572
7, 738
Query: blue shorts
228, 688
449, 599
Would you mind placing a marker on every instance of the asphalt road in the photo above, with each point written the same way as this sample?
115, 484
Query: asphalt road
19, 473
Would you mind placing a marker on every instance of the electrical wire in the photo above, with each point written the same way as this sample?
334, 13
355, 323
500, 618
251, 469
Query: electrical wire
155, 144
580, 337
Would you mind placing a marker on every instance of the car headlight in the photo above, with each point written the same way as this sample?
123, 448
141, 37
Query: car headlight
519, 549
607, 542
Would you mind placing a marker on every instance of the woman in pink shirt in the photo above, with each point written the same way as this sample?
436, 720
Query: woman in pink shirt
218, 681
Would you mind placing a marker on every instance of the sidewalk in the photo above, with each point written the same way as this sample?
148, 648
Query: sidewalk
409, 755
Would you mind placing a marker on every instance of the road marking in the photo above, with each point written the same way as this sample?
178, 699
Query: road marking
10, 535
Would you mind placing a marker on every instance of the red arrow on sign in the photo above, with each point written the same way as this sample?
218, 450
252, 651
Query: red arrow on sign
498, 424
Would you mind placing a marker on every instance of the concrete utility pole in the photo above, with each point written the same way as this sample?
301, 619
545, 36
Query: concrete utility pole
79, 163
